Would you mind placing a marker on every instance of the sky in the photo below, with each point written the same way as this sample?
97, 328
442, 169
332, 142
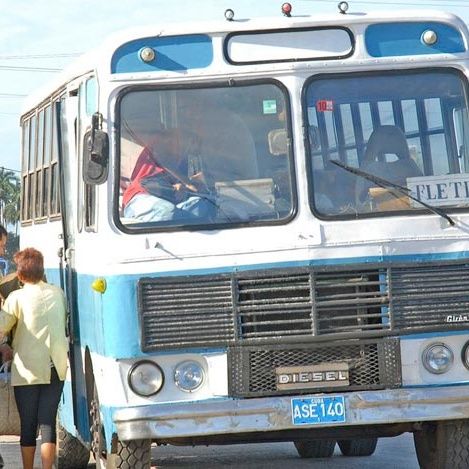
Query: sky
38, 36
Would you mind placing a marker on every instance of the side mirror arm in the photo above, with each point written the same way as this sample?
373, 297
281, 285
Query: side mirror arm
98, 146
95, 152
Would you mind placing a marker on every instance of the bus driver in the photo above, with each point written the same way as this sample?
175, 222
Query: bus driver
160, 188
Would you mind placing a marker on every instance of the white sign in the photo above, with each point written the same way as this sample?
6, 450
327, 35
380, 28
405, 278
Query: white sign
449, 189
289, 45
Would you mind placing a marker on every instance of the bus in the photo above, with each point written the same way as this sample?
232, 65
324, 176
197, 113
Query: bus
262, 229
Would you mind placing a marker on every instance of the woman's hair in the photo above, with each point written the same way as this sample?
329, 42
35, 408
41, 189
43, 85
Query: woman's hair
29, 265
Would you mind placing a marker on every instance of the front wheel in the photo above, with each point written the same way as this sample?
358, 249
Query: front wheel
358, 447
71, 453
443, 445
315, 448
133, 454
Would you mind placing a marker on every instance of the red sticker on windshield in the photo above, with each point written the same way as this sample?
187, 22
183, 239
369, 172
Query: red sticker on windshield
324, 105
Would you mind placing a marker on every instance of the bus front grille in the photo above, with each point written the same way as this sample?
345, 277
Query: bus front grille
371, 364
200, 311
185, 312
430, 296
301, 305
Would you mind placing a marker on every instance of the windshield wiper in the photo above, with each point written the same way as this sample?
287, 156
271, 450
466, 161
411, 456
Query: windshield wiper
385, 184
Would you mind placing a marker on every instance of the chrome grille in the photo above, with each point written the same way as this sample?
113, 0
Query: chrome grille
183, 312
425, 296
300, 304
351, 301
261, 305
274, 305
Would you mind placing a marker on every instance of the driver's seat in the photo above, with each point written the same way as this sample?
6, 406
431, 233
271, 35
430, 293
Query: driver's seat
387, 156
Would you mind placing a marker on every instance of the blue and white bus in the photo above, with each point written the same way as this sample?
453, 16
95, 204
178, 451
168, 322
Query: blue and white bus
320, 292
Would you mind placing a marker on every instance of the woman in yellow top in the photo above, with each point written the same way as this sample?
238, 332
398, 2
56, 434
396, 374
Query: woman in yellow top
37, 313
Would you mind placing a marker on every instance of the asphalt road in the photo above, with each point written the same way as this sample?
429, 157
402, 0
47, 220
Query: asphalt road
391, 453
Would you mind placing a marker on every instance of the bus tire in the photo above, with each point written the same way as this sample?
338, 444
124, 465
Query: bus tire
71, 453
98, 442
358, 446
315, 448
134, 454
443, 445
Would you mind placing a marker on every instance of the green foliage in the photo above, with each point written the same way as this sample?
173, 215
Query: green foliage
9, 197
13, 245
10, 210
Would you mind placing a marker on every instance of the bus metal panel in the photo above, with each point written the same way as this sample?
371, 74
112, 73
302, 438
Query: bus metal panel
401, 39
174, 53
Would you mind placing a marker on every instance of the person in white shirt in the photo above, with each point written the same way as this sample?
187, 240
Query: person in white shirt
37, 312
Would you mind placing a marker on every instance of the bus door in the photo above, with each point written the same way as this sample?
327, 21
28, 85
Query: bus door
66, 125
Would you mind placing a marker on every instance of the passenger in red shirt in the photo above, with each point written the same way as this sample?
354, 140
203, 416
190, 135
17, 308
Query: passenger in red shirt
160, 187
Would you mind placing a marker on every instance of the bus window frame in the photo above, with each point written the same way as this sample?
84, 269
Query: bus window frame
32, 176
424, 135
55, 169
25, 149
149, 228
31, 170
229, 36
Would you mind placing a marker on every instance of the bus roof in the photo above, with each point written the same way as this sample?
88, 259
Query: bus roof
100, 57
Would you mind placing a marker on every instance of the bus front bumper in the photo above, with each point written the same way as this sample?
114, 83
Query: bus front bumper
270, 414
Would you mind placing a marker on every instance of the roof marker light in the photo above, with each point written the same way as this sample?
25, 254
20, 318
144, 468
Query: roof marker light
343, 7
286, 9
229, 14
429, 37
147, 54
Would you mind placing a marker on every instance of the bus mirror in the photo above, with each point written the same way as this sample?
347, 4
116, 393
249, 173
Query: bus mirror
95, 153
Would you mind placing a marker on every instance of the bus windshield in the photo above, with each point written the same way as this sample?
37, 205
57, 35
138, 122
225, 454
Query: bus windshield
204, 156
409, 128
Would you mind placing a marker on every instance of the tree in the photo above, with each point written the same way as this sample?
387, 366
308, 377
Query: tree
11, 209
13, 244
9, 187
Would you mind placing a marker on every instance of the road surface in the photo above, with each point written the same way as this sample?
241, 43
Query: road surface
391, 453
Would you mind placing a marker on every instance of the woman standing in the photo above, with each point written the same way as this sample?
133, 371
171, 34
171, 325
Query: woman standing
37, 313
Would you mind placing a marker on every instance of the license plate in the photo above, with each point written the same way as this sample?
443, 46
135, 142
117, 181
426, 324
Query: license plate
314, 410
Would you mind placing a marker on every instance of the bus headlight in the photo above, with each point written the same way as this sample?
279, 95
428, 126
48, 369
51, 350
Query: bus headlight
437, 358
465, 355
189, 376
146, 378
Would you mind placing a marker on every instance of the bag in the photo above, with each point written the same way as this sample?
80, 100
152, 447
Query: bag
9, 417
8, 284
